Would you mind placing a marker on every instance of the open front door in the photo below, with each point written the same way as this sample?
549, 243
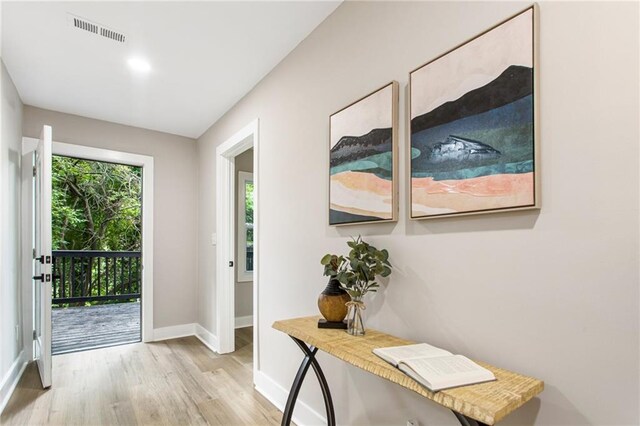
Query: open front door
42, 257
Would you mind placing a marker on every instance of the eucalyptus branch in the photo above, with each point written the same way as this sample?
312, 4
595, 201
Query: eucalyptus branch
357, 271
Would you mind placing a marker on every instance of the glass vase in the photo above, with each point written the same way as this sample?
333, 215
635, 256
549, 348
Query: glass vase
355, 317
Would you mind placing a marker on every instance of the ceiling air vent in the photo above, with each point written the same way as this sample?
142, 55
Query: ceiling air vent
97, 29
85, 25
113, 35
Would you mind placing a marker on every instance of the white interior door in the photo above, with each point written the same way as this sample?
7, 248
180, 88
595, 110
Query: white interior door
42, 257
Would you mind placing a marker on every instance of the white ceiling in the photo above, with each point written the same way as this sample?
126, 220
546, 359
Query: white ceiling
204, 56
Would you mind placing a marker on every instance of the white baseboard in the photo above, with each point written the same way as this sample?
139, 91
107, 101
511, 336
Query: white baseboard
277, 395
209, 339
245, 321
11, 379
173, 332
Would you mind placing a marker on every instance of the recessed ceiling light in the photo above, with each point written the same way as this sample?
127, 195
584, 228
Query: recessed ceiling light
139, 65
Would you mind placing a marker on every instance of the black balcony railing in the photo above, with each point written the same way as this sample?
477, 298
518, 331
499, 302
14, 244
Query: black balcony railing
90, 276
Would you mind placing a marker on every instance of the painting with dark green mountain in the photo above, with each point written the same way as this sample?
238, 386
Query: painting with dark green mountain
361, 160
472, 125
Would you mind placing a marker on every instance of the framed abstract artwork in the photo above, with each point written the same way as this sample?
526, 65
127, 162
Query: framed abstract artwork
472, 119
363, 159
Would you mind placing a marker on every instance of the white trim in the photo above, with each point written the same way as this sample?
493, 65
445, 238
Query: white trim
29, 145
11, 379
173, 332
243, 274
245, 321
256, 246
207, 338
26, 224
146, 162
277, 395
225, 225
184, 330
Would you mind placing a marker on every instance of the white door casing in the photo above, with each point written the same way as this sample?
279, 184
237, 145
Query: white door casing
147, 164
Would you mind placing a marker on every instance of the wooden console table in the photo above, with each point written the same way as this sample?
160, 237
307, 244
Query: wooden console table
473, 405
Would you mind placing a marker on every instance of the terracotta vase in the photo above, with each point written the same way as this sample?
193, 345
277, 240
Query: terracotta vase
332, 301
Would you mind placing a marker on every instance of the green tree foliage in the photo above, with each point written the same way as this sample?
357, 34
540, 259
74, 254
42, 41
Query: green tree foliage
248, 212
95, 205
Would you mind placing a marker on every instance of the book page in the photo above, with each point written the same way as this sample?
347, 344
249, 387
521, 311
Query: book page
447, 371
444, 366
395, 354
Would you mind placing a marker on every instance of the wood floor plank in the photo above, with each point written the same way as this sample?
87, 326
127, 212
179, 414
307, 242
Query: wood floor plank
240, 400
174, 382
218, 412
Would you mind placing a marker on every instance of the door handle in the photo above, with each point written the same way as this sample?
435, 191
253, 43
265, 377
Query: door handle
45, 260
43, 277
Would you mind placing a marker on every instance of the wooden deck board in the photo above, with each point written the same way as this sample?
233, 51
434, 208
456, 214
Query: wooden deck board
88, 327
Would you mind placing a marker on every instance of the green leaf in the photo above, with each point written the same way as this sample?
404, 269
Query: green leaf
325, 259
385, 254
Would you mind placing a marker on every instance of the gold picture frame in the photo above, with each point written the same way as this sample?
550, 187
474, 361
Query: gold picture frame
473, 125
363, 159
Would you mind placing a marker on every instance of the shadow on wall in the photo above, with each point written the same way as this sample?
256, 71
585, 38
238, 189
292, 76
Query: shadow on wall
495, 221
381, 228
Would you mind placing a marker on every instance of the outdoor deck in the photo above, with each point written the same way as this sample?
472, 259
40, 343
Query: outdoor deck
90, 327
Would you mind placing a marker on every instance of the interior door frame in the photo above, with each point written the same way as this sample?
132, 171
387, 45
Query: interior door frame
245, 138
106, 155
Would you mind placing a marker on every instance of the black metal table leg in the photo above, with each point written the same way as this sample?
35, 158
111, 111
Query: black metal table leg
324, 386
309, 359
467, 421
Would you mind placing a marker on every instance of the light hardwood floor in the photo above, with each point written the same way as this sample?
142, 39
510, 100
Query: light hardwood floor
175, 382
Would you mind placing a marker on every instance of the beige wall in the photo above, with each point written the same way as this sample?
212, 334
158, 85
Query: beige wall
243, 290
175, 191
10, 195
553, 294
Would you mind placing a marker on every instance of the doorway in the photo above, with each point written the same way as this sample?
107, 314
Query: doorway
96, 213
243, 286
237, 257
146, 164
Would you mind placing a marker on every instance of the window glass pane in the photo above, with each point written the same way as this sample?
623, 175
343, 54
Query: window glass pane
248, 200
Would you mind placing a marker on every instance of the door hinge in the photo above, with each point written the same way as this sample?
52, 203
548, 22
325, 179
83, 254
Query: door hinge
35, 171
34, 254
35, 336
231, 264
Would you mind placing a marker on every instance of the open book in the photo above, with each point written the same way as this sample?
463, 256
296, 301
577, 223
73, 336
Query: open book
433, 367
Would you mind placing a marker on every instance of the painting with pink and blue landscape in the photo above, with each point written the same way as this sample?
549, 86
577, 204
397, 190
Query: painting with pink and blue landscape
472, 125
362, 143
